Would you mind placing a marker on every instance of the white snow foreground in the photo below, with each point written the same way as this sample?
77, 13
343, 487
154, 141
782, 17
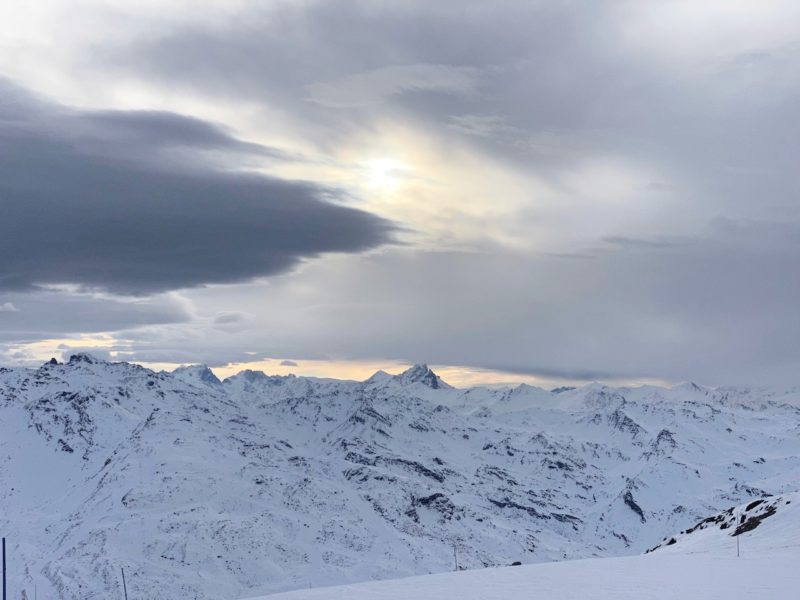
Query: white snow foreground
209, 489
700, 564
648, 577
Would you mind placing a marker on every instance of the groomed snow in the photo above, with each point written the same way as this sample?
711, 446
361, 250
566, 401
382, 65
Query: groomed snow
651, 577
700, 565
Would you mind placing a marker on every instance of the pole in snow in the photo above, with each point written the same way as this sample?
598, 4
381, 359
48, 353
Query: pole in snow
455, 554
124, 587
4, 568
737, 521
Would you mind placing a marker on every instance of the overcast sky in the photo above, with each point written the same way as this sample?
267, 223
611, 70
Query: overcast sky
529, 191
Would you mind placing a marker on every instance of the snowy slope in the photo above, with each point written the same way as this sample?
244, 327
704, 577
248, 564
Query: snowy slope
697, 563
256, 484
765, 526
629, 578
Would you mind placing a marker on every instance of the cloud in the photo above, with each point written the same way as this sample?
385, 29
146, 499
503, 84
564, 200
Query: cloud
604, 192
100, 199
480, 125
60, 313
288, 363
153, 130
8, 307
713, 309
644, 244
370, 87
227, 318
559, 87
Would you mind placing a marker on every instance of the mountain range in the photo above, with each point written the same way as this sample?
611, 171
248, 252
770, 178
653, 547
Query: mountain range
202, 488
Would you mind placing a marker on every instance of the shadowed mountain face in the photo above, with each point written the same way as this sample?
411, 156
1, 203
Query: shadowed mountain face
209, 489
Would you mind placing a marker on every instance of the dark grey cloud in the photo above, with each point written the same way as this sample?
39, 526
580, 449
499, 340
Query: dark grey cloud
138, 135
288, 363
101, 199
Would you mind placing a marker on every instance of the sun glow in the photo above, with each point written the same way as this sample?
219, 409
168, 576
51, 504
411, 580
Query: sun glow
384, 174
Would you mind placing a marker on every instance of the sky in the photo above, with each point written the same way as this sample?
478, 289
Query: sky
517, 191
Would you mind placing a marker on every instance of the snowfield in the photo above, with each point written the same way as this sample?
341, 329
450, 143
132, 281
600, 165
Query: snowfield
628, 578
219, 490
700, 564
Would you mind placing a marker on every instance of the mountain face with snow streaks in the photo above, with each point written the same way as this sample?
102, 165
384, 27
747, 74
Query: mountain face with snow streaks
209, 489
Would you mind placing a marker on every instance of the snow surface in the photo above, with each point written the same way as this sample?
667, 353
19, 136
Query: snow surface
629, 578
764, 527
701, 564
259, 484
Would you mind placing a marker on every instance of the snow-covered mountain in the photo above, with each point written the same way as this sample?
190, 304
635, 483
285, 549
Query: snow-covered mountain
203, 488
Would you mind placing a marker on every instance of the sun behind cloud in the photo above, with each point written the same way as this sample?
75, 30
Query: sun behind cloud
384, 174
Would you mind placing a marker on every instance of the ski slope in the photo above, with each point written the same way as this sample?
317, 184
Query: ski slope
700, 565
651, 577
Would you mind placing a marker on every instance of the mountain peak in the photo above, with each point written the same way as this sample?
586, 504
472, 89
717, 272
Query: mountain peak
251, 375
421, 373
81, 357
689, 386
379, 376
193, 373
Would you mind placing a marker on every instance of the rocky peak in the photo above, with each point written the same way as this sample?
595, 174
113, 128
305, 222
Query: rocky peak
197, 373
421, 373
81, 357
